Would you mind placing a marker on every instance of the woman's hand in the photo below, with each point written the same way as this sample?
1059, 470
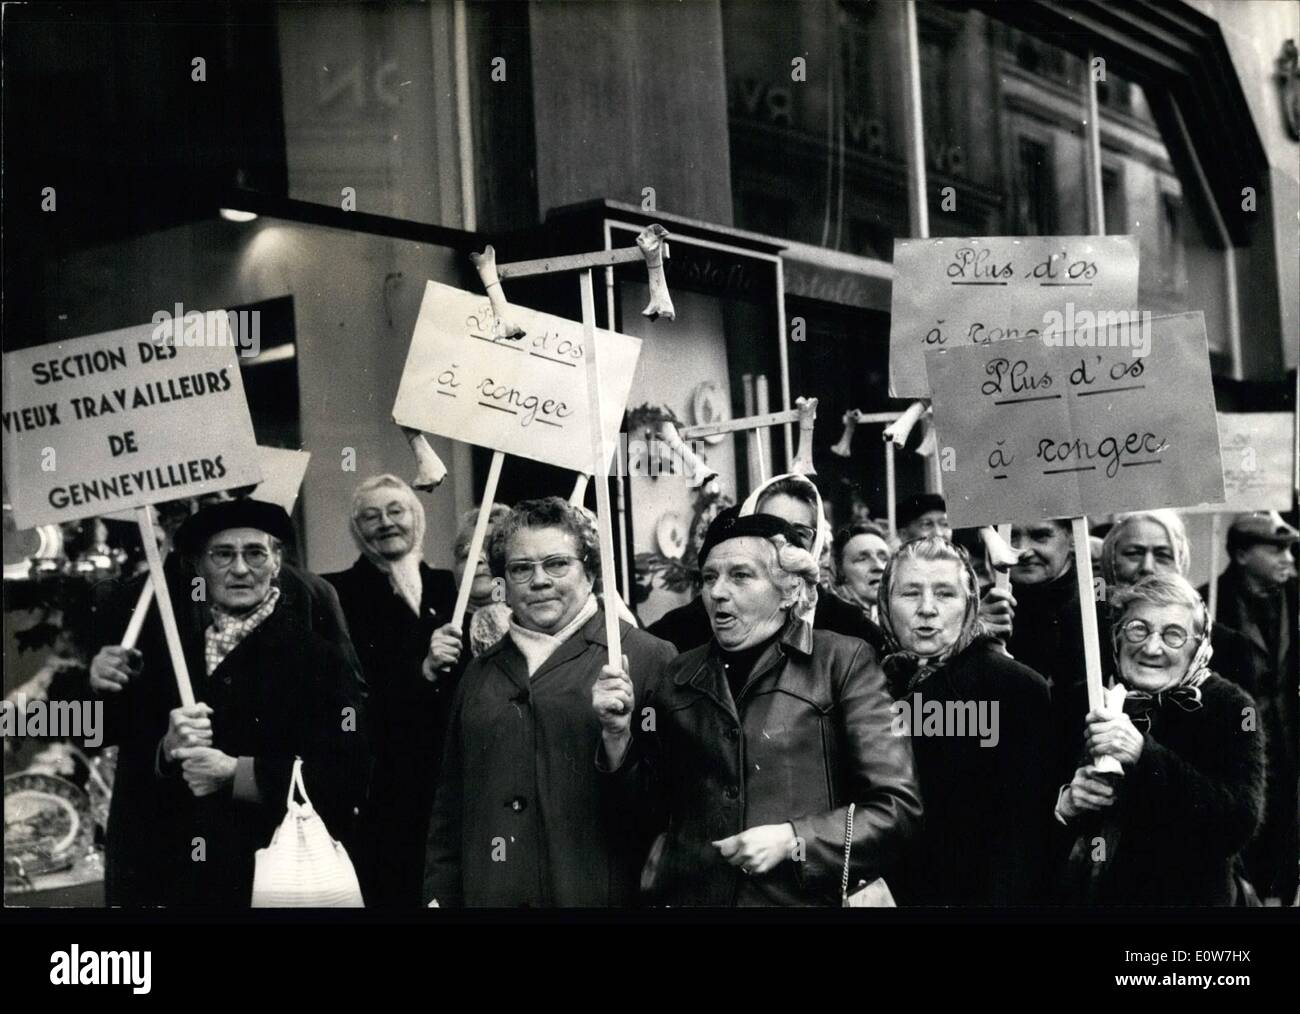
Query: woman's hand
759, 849
444, 651
205, 769
612, 698
998, 611
1113, 736
186, 727
1087, 792
113, 668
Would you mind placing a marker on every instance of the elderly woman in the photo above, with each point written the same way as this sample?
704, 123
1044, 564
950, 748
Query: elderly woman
981, 732
860, 553
395, 604
201, 787
487, 617
1192, 792
745, 755
519, 815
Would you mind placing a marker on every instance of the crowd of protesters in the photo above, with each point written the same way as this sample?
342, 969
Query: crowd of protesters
832, 711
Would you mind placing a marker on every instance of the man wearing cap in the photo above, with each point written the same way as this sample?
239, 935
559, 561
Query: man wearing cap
1257, 596
200, 788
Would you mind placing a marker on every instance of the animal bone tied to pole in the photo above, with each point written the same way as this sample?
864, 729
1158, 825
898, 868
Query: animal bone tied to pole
844, 447
654, 247
505, 325
429, 469
1001, 556
700, 474
803, 459
898, 430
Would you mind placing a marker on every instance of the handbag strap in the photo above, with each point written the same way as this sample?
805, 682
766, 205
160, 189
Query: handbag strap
848, 850
296, 782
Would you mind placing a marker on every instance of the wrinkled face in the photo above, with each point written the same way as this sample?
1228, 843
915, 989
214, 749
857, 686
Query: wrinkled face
1044, 550
1142, 548
237, 567
386, 523
863, 564
928, 524
799, 513
557, 587
1153, 665
1267, 564
927, 602
743, 602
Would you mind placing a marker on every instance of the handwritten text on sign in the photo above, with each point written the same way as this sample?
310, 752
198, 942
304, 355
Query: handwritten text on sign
1258, 454
1041, 432
953, 292
118, 420
526, 397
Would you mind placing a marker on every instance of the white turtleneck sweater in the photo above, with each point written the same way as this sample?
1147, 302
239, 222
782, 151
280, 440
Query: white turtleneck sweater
537, 647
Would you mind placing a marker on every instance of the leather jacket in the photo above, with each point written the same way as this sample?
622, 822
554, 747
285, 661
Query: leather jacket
809, 732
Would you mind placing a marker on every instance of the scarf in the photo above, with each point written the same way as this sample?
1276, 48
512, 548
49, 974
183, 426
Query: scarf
537, 647
847, 594
227, 630
404, 578
905, 670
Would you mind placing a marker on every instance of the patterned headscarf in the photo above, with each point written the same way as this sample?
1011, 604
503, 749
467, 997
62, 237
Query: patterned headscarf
904, 669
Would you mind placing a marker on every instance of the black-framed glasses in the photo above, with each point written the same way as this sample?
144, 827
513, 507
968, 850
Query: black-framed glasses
521, 571
224, 557
1138, 631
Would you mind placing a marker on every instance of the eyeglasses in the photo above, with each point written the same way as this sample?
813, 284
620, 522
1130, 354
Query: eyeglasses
521, 571
393, 512
255, 557
1138, 631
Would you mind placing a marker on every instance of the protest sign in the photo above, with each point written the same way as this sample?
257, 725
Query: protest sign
127, 419
119, 420
524, 396
1257, 449
1044, 432
950, 293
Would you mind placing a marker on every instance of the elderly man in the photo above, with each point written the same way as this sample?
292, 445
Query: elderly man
921, 516
519, 818
1257, 596
795, 500
200, 788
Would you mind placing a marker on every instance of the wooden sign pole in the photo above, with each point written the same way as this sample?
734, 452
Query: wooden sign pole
1215, 536
476, 541
600, 464
144, 518
1002, 578
891, 490
139, 614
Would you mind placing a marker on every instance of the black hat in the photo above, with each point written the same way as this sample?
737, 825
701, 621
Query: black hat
1261, 527
916, 505
217, 517
731, 525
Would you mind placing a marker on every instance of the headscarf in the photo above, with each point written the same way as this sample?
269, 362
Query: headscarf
1141, 705
1166, 519
904, 669
404, 572
823, 536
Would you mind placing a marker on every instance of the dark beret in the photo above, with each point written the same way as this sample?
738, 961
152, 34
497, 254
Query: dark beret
730, 525
916, 505
247, 513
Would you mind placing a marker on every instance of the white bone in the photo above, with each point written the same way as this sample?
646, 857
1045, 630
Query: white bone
700, 474
430, 471
803, 459
1000, 555
654, 247
844, 447
898, 430
929, 443
505, 325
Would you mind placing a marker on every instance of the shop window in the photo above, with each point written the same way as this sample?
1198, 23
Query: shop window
1112, 199
1173, 259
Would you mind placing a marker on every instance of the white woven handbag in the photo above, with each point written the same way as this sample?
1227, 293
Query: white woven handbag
304, 867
